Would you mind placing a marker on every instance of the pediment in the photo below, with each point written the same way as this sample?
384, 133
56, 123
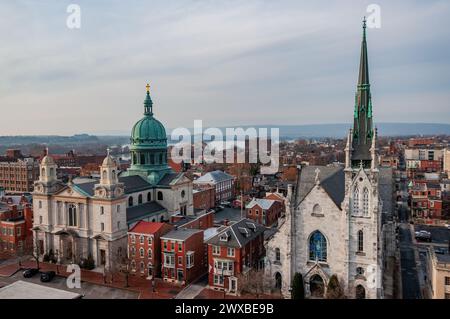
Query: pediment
69, 191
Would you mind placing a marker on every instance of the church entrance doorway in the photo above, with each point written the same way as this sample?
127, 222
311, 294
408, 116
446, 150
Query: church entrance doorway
360, 292
316, 286
278, 280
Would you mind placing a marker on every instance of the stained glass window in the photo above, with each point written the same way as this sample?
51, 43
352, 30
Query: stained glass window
317, 247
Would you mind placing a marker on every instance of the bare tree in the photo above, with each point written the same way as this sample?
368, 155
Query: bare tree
121, 263
254, 281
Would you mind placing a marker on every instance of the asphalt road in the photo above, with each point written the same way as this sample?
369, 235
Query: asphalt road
410, 281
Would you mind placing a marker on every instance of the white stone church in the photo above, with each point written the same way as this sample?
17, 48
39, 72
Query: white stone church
92, 217
334, 216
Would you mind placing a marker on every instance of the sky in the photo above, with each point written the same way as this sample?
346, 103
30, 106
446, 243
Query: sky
227, 63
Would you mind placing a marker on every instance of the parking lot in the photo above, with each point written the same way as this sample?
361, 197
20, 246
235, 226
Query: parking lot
439, 235
88, 290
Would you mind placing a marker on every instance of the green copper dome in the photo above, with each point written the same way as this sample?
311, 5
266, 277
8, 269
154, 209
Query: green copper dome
148, 146
148, 131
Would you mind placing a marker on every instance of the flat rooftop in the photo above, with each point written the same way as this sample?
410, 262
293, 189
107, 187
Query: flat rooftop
27, 290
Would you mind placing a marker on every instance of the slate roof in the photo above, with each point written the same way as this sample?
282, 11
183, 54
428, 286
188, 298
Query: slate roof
261, 202
214, 177
239, 234
181, 234
134, 183
144, 210
170, 179
332, 180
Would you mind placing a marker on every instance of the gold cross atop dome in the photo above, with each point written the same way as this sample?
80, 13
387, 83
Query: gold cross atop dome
148, 87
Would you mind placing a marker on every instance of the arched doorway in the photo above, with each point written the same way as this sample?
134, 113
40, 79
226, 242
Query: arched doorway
360, 292
316, 286
278, 280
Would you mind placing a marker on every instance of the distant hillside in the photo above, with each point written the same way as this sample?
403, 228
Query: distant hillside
341, 130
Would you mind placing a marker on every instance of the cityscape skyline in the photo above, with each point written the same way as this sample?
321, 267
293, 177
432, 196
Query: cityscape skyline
90, 80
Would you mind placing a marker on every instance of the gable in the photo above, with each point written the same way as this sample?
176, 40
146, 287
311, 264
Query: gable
69, 191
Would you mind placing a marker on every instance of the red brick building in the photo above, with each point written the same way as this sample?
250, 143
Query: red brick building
183, 255
264, 211
204, 197
234, 250
200, 220
15, 229
222, 182
144, 247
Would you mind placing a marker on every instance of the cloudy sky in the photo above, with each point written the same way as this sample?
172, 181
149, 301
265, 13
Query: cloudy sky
227, 62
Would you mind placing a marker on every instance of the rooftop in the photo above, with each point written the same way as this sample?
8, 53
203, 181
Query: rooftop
143, 227
214, 177
181, 234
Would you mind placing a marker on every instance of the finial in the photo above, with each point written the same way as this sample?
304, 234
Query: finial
361, 165
317, 179
46, 151
148, 87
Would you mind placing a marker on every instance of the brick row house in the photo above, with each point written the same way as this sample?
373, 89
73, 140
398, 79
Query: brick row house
15, 229
264, 211
235, 249
183, 255
144, 247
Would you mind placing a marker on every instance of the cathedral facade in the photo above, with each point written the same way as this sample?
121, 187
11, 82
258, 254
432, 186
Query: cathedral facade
90, 218
334, 215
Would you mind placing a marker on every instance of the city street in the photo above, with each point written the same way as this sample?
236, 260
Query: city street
410, 282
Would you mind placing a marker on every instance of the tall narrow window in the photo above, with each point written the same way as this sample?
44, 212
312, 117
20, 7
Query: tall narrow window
72, 215
360, 241
149, 197
160, 195
365, 202
140, 199
355, 207
317, 247
142, 159
130, 201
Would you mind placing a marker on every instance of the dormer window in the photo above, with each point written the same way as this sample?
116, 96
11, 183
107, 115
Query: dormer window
252, 226
244, 231
224, 236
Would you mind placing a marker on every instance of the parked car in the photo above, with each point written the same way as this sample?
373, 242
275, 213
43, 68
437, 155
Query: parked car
30, 272
440, 250
219, 208
423, 235
47, 276
447, 226
225, 204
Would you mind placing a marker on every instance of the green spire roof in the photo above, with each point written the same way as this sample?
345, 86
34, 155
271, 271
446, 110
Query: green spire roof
363, 125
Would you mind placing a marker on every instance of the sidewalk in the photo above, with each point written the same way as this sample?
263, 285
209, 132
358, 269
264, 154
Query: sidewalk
136, 283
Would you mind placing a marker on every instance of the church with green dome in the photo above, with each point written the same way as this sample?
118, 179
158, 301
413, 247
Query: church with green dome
149, 146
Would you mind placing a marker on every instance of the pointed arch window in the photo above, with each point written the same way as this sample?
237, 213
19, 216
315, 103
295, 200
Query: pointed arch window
317, 247
355, 206
365, 202
360, 241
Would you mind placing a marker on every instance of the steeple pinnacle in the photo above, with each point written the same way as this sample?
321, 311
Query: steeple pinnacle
363, 126
148, 103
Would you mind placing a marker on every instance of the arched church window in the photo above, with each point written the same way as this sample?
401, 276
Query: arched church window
105, 174
72, 215
130, 201
134, 158
149, 197
43, 171
161, 219
365, 202
142, 158
360, 241
114, 174
160, 158
317, 210
277, 254
317, 247
140, 199
355, 208
360, 271
160, 195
